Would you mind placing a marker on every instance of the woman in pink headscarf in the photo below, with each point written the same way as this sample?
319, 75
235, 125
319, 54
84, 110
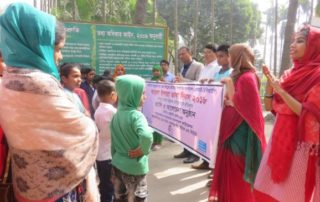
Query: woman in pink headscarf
241, 140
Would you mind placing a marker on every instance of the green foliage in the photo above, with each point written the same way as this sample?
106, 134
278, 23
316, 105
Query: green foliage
243, 15
245, 20
85, 8
318, 9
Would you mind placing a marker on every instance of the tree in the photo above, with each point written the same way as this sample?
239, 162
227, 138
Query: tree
275, 38
140, 12
176, 35
243, 12
291, 20
212, 21
318, 8
311, 11
195, 26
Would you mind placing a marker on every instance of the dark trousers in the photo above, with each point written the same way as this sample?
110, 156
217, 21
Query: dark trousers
187, 152
105, 186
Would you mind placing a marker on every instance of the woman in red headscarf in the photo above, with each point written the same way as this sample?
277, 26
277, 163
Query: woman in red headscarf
241, 140
290, 171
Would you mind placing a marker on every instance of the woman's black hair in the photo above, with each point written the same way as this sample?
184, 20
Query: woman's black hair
60, 33
164, 61
66, 68
85, 69
96, 79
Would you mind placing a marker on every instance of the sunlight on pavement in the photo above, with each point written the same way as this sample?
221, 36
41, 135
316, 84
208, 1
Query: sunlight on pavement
190, 188
195, 176
171, 172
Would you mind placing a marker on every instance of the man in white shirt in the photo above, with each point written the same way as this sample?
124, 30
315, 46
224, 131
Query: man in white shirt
211, 65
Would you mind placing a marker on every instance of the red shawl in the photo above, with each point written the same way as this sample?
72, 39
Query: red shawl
304, 75
83, 97
247, 106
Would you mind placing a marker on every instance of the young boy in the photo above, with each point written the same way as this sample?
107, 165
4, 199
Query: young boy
223, 61
103, 116
131, 141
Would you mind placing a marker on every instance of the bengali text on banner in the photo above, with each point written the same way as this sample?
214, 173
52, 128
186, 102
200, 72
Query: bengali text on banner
186, 113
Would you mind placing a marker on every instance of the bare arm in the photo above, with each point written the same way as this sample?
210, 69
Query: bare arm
292, 103
229, 90
268, 97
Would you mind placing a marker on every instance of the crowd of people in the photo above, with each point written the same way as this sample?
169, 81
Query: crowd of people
73, 135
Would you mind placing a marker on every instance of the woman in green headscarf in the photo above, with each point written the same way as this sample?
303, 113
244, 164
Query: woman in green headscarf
157, 75
53, 144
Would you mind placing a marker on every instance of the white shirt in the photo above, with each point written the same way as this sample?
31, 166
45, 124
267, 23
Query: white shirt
95, 100
209, 70
103, 117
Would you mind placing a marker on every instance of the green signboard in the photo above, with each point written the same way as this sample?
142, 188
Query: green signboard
104, 46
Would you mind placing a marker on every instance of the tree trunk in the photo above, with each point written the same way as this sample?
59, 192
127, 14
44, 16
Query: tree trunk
275, 38
298, 15
311, 12
35, 3
317, 11
195, 27
255, 28
212, 21
231, 22
141, 11
291, 20
265, 43
74, 10
271, 50
41, 5
109, 13
104, 12
55, 4
154, 12
176, 38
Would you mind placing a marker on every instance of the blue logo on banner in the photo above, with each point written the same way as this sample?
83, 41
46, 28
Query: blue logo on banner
202, 146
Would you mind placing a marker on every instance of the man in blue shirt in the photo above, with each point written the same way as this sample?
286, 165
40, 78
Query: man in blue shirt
167, 76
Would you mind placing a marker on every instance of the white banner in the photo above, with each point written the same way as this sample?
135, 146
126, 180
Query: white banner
186, 113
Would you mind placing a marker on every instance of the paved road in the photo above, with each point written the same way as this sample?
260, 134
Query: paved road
170, 180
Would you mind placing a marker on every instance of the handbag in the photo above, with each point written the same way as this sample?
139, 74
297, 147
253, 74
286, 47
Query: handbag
6, 188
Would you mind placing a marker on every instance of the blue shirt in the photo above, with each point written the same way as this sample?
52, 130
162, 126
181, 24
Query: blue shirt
168, 77
222, 74
75, 99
